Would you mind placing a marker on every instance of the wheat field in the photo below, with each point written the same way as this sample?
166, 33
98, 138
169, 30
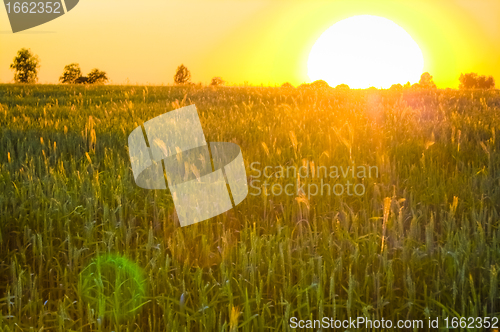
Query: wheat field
82, 248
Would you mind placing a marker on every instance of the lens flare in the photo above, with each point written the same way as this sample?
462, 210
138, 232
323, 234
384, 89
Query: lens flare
113, 286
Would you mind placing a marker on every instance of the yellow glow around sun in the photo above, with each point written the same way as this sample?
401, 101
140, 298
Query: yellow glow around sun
364, 51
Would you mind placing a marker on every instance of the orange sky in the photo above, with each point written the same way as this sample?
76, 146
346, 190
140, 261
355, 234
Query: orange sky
259, 42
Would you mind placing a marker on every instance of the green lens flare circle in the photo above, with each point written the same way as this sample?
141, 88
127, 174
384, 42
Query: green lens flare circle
113, 286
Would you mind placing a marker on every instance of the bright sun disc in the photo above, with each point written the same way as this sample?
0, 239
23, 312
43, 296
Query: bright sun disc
365, 51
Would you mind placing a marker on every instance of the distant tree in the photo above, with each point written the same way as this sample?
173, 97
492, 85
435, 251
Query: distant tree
468, 81
396, 87
82, 80
484, 82
97, 76
304, 86
26, 66
71, 73
320, 84
474, 81
216, 81
287, 85
342, 87
426, 81
182, 75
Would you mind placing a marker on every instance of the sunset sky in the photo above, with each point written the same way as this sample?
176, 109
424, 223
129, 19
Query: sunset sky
258, 42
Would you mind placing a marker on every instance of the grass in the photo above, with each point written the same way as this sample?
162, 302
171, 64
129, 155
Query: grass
422, 242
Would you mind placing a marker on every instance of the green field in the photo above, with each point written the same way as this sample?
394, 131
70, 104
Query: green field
423, 241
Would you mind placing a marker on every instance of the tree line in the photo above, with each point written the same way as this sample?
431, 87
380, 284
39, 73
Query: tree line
183, 76
26, 66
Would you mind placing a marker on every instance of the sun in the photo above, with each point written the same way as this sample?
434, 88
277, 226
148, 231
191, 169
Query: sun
365, 51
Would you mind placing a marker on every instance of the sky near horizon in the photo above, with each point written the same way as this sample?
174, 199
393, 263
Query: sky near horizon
254, 42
